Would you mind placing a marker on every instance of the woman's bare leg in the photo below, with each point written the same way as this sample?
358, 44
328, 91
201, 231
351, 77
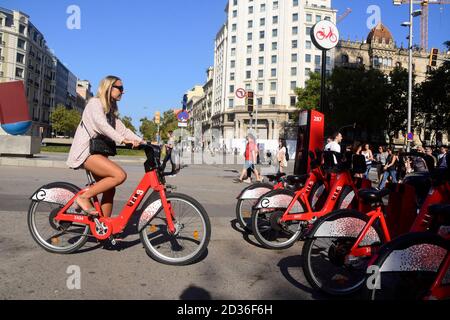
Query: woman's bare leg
111, 176
107, 199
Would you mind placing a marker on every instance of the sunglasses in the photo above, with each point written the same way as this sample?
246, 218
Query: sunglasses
120, 88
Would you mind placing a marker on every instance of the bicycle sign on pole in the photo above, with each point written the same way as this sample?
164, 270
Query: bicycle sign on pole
325, 36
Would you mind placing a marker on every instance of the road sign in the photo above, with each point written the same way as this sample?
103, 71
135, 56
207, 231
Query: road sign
182, 124
410, 136
325, 35
157, 117
241, 93
183, 116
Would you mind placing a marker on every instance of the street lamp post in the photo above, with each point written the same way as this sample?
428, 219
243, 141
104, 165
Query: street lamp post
412, 14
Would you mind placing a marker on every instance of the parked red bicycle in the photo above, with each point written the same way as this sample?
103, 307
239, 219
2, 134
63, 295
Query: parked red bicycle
174, 228
280, 217
340, 246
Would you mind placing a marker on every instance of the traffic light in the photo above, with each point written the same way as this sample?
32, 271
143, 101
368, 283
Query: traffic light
433, 57
250, 100
157, 117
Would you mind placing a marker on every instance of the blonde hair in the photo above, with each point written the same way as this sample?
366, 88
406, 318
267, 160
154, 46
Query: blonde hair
104, 94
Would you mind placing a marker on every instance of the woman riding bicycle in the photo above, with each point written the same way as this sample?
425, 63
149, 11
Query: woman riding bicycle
100, 117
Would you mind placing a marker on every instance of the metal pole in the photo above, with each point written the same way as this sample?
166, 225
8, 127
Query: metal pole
408, 143
322, 81
256, 120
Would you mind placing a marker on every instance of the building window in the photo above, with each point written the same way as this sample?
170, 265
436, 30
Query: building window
295, 17
262, 22
232, 88
234, 27
248, 86
317, 70
295, 3
294, 31
318, 18
307, 71
274, 45
19, 72
293, 71
327, 18
259, 101
230, 103
22, 29
260, 73
234, 13
294, 57
328, 60
249, 62
294, 44
275, 33
261, 34
20, 58
261, 60
274, 59
261, 47
307, 57
308, 17
260, 86
235, 2
275, 20
250, 24
263, 7
233, 52
273, 86
233, 39
249, 36
275, 5
308, 44
248, 74
232, 76
317, 59
250, 10
273, 72
232, 64
293, 101
249, 49
273, 101
308, 31
21, 44
344, 58
293, 85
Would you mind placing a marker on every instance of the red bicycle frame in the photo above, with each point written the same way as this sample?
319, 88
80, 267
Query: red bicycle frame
337, 181
117, 224
438, 290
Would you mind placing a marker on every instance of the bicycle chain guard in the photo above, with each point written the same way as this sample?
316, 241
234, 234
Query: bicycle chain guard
101, 228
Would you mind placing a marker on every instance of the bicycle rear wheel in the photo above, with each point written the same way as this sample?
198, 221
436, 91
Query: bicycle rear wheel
192, 235
244, 206
63, 237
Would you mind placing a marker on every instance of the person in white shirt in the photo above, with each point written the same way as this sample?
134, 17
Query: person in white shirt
334, 144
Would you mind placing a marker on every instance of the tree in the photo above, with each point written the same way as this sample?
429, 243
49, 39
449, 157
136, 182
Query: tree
169, 122
65, 121
309, 97
148, 129
127, 121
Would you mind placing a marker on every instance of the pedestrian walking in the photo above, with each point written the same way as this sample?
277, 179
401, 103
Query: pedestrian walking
380, 159
390, 169
169, 148
250, 160
281, 156
367, 153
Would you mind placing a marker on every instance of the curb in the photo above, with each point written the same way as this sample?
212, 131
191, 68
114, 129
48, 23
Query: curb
38, 163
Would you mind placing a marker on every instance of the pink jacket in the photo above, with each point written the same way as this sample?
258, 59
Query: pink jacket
94, 120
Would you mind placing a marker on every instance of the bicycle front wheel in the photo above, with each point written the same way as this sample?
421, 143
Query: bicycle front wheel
190, 239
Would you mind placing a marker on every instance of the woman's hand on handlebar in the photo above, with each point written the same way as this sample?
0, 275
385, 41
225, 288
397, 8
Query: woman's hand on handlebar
134, 143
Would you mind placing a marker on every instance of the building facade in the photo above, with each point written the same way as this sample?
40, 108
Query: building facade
264, 46
24, 56
379, 51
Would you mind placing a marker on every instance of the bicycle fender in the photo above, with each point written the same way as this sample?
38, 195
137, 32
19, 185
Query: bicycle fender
254, 192
413, 252
343, 224
279, 199
52, 193
152, 206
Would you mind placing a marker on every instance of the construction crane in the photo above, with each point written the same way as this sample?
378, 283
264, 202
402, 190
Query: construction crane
423, 17
344, 15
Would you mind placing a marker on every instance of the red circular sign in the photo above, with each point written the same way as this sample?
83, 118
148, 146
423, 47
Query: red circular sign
241, 93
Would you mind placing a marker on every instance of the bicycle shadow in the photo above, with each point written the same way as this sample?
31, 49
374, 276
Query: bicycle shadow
195, 293
245, 234
295, 262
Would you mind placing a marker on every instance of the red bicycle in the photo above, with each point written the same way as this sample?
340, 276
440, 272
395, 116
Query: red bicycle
340, 246
174, 228
330, 35
280, 217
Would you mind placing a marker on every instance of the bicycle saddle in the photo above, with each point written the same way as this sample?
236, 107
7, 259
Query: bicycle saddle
373, 195
275, 177
297, 180
440, 214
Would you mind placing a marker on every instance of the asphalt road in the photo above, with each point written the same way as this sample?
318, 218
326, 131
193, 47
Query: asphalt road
235, 267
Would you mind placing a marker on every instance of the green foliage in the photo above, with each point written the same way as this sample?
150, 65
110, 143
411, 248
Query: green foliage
148, 129
127, 121
64, 120
309, 97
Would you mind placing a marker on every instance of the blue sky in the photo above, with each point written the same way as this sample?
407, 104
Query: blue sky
163, 48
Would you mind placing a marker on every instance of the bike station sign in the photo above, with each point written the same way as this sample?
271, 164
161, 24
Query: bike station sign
325, 35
